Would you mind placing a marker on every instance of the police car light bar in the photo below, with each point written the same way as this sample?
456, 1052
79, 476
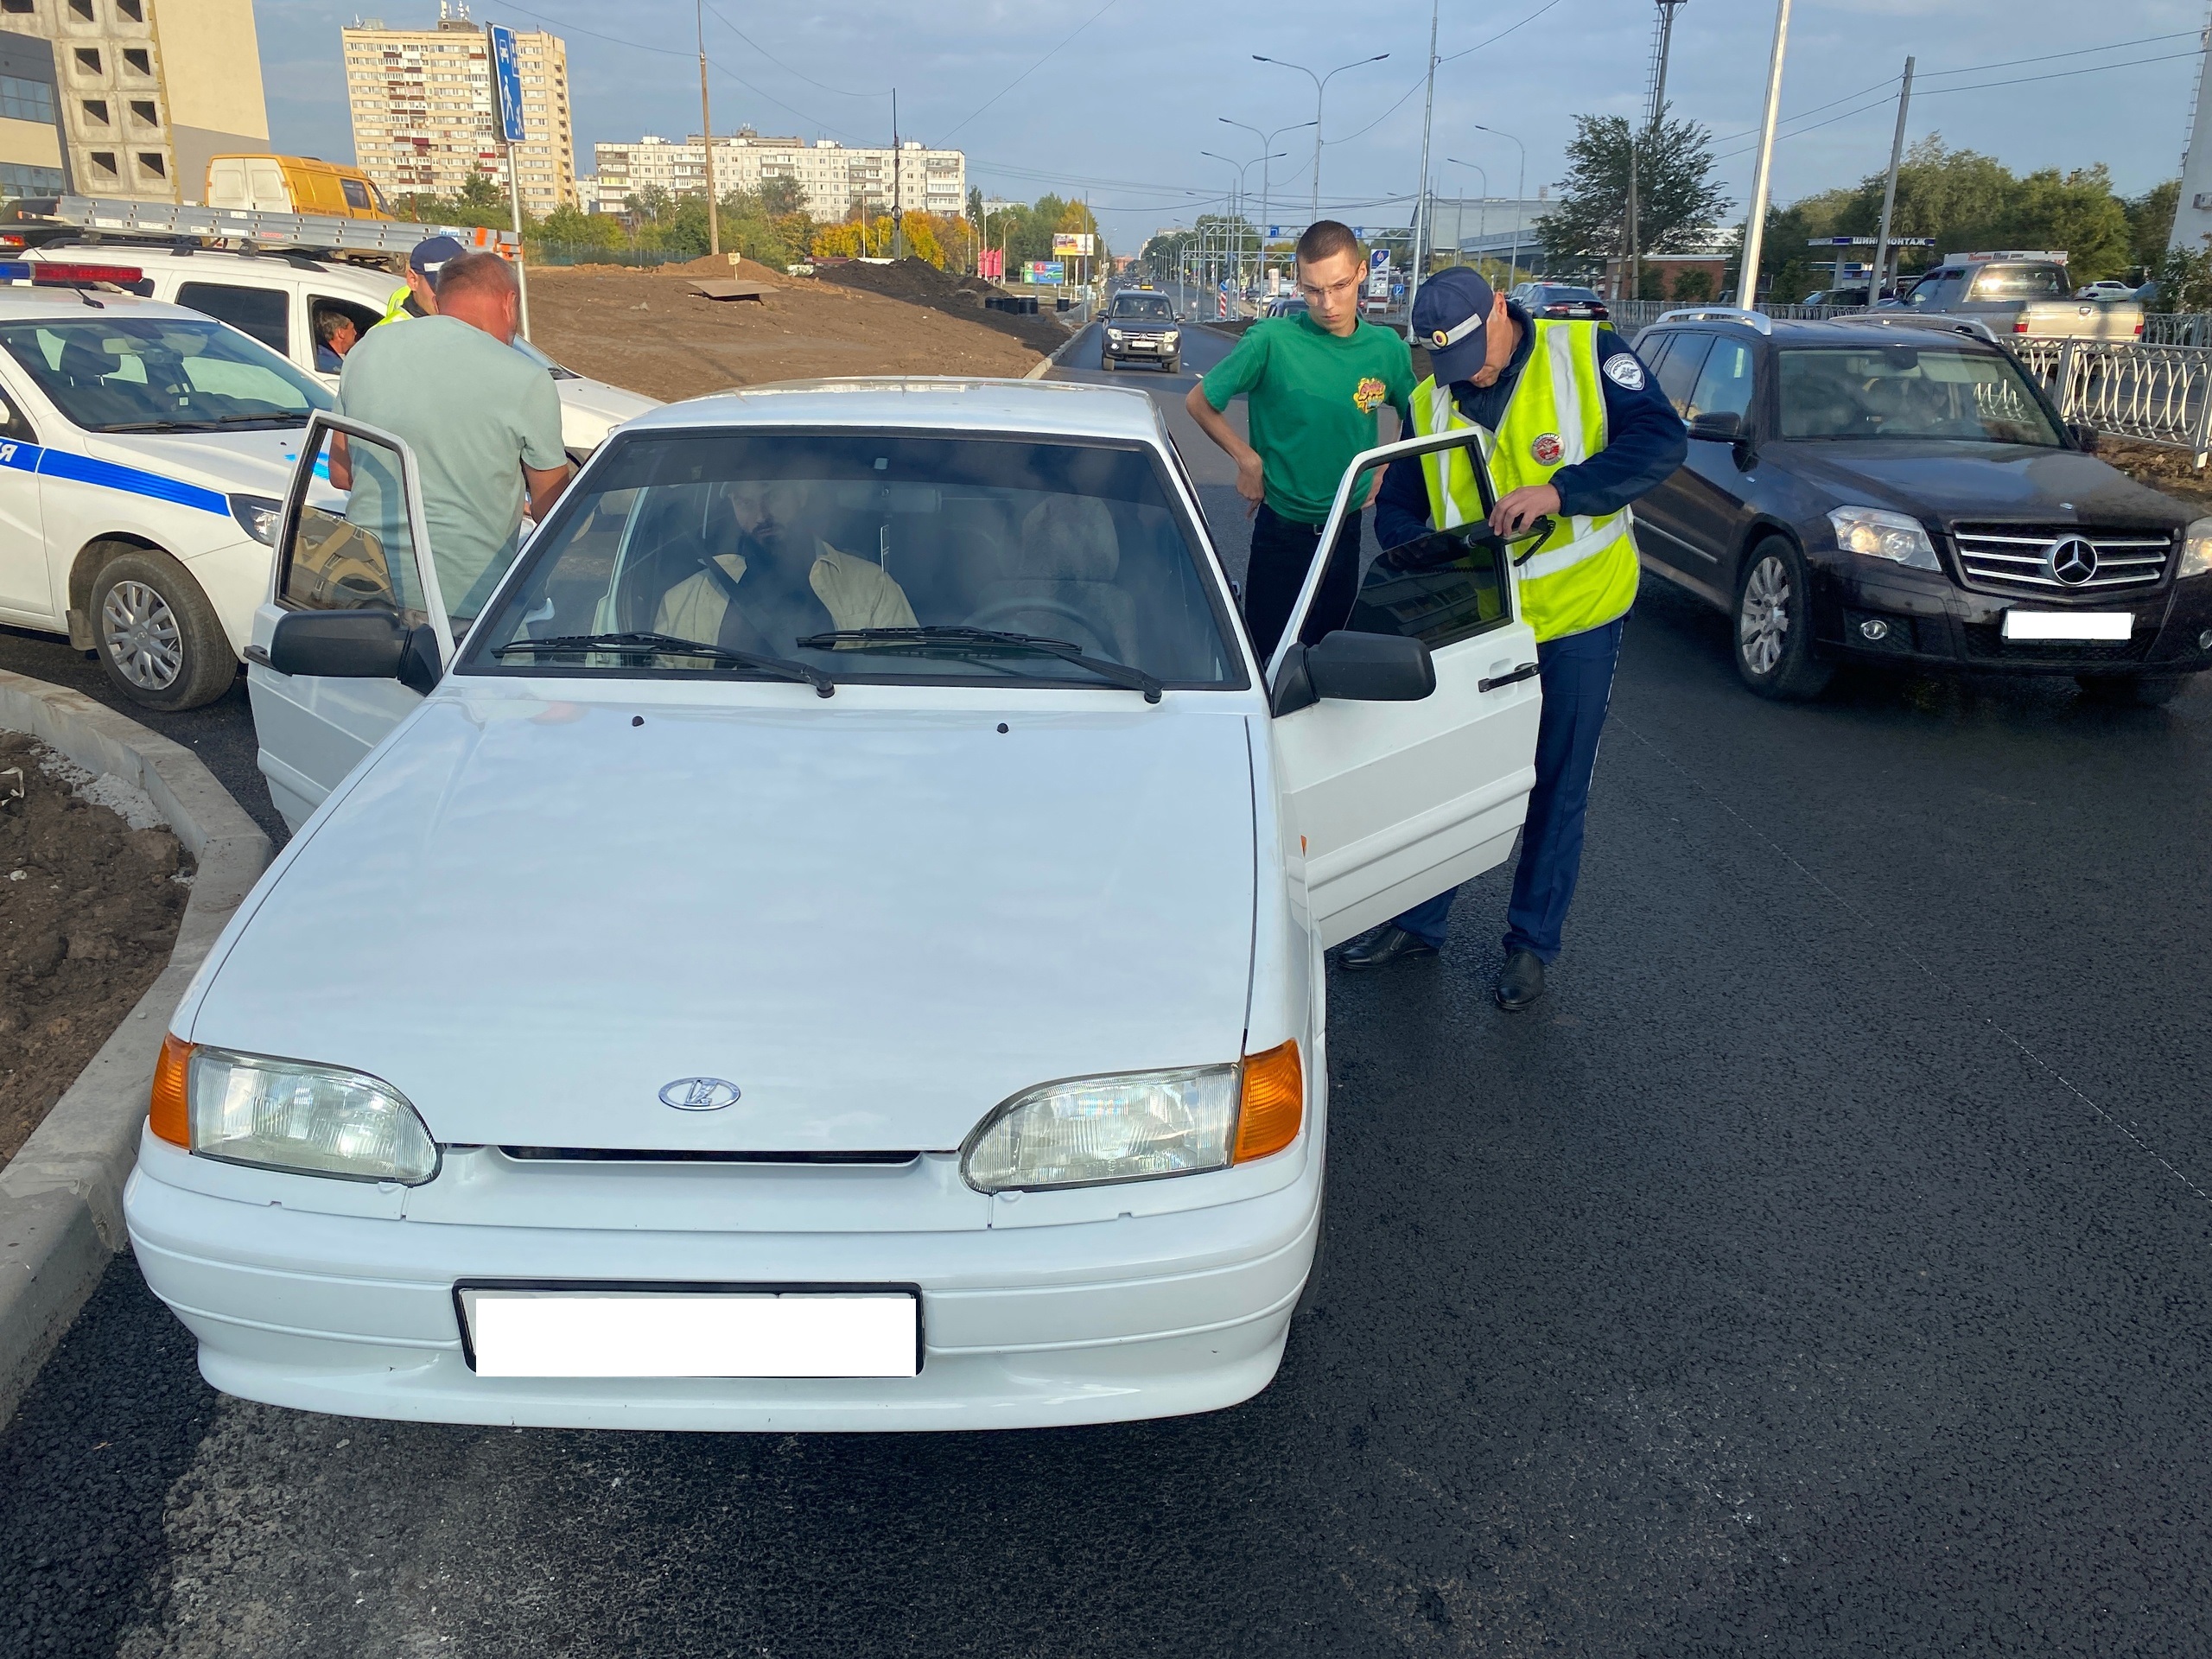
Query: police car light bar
53, 274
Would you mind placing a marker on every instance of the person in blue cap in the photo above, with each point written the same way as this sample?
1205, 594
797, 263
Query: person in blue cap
418, 296
1574, 429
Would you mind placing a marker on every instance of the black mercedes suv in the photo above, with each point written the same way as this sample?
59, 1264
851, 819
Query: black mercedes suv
1860, 489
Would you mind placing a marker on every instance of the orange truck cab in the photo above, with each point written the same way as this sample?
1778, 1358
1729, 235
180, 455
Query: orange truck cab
293, 184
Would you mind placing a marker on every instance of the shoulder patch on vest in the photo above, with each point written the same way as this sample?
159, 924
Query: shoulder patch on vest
1623, 369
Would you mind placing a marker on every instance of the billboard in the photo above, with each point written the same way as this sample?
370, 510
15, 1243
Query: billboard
1070, 242
1047, 272
507, 80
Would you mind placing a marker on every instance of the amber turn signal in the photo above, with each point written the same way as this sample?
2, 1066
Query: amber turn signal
1273, 1106
171, 1116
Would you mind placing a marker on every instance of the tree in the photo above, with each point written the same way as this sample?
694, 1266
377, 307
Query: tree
2151, 221
780, 197
1694, 283
1676, 198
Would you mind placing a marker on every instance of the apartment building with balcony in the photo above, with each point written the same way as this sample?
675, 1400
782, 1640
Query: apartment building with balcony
833, 179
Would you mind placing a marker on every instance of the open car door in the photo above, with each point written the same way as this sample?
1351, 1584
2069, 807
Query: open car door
351, 551
1397, 786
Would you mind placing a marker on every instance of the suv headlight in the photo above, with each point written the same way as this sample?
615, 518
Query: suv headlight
1140, 1127
2197, 549
287, 1115
1894, 535
1114, 335
258, 516
1171, 336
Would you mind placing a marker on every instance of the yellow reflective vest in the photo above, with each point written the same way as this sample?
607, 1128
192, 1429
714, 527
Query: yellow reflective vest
1584, 574
395, 308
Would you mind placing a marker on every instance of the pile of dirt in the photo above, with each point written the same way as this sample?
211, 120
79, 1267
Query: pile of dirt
649, 331
919, 283
89, 908
2173, 471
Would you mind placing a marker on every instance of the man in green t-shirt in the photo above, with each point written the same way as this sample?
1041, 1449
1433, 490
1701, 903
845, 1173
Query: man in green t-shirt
1312, 384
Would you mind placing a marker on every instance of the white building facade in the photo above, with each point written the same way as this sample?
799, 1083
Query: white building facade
423, 117
832, 178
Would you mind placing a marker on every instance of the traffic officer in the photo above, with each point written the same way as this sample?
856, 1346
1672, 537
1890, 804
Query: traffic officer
1574, 428
418, 296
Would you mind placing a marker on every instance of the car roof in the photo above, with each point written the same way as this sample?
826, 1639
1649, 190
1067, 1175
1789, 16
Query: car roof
67, 305
1823, 331
1045, 409
304, 267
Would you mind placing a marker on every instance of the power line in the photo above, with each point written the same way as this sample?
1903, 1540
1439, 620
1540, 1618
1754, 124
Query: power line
1417, 85
786, 67
1032, 68
2079, 52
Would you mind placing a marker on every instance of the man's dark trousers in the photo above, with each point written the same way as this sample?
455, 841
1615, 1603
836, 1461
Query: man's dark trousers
1577, 675
1282, 551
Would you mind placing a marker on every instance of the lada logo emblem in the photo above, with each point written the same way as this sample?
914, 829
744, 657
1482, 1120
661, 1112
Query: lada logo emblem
2072, 559
700, 1094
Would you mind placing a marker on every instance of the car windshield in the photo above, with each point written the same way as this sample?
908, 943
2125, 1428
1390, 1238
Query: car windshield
159, 374
541, 360
886, 558
1143, 308
2021, 283
1909, 391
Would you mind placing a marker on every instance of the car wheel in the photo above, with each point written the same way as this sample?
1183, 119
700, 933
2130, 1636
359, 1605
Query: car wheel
157, 634
1174, 365
1774, 626
2135, 690
1105, 364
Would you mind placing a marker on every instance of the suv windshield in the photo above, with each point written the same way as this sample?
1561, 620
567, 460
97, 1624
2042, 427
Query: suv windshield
159, 374
1143, 308
1909, 391
886, 558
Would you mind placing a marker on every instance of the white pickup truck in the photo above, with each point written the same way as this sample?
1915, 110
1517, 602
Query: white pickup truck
2019, 295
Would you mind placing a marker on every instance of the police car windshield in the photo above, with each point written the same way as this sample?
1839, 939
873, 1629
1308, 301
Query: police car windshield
159, 374
892, 559
1143, 308
1911, 391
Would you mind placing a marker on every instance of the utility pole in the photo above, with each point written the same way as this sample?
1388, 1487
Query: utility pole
898, 202
1422, 233
1662, 41
707, 136
1629, 283
1755, 228
1890, 194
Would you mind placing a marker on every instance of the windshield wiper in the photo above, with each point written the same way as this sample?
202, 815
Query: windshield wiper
922, 638
667, 644
277, 417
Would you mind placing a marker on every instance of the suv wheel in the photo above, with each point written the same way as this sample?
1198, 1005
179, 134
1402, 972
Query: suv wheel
1774, 626
157, 634
2141, 690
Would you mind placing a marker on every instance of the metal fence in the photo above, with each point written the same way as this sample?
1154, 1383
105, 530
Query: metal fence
2154, 394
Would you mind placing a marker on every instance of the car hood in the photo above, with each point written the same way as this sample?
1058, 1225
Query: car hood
1947, 481
591, 409
244, 463
533, 918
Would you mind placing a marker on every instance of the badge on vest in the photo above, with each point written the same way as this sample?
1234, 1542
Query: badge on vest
1623, 370
1547, 448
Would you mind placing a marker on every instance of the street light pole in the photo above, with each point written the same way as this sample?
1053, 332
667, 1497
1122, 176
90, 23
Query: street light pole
1424, 233
1747, 290
1320, 85
1460, 218
1890, 194
1266, 141
707, 136
1520, 195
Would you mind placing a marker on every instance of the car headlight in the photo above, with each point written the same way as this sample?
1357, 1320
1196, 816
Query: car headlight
1114, 335
1090, 1131
1897, 536
258, 516
1171, 337
287, 1115
2197, 549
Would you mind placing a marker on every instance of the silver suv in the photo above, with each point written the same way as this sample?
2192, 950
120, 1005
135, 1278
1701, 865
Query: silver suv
2021, 295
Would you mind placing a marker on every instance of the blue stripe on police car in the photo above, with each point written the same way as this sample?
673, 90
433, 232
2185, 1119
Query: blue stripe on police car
110, 475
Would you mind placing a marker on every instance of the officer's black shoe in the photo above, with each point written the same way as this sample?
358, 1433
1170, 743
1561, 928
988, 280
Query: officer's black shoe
1522, 981
1388, 942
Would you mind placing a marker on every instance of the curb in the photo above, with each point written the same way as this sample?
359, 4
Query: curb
61, 1195
1037, 371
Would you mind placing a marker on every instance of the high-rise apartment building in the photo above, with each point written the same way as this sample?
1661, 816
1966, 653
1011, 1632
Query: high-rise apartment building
424, 120
148, 90
832, 178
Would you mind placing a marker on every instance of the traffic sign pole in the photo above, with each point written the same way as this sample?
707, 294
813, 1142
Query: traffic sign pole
506, 83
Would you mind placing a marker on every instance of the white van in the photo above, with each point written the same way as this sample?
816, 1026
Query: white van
278, 298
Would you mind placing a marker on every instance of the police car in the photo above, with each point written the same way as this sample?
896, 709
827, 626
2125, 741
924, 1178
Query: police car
144, 449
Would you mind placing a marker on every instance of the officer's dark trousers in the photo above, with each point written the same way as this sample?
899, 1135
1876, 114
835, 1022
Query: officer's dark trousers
1577, 675
1282, 549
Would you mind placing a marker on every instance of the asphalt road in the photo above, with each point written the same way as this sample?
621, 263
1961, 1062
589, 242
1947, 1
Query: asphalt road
1822, 1268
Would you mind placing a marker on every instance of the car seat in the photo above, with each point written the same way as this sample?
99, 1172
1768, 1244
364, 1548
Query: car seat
1058, 580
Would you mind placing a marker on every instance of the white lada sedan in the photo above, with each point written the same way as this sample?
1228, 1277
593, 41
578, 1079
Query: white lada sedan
834, 944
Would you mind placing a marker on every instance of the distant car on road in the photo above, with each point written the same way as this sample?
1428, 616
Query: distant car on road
2107, 289
1861, 491
1288, 305
835, 943
2021, 294
1561, 300
1140, 327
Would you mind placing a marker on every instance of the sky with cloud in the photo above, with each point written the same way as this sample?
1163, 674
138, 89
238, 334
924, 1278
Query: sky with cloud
1117, 100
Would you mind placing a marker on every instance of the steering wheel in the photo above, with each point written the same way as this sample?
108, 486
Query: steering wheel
998, 615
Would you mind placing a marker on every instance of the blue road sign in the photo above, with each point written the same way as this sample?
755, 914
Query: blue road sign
507, 76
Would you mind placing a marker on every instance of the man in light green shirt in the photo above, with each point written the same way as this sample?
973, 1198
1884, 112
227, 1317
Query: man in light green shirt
483, 420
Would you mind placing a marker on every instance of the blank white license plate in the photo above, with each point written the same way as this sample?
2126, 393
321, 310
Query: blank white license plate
690, 1334
2075, 626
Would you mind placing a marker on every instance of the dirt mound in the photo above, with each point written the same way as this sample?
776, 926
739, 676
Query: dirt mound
88, 914
919, 283
2173, 471
711, 264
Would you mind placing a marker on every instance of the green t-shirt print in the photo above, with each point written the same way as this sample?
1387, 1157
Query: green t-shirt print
1312, 399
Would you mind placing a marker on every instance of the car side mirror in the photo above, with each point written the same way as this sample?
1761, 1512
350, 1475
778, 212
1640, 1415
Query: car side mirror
2085, 438
355, 645
1354, 667
1721, 427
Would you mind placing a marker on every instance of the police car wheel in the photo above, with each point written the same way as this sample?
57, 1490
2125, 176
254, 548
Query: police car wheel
1774, 626
157, 634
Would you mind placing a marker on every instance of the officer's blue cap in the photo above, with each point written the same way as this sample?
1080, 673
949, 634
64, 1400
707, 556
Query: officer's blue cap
431, 253
1449, 314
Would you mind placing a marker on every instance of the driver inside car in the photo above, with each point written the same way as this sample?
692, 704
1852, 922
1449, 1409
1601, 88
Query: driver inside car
784, 579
